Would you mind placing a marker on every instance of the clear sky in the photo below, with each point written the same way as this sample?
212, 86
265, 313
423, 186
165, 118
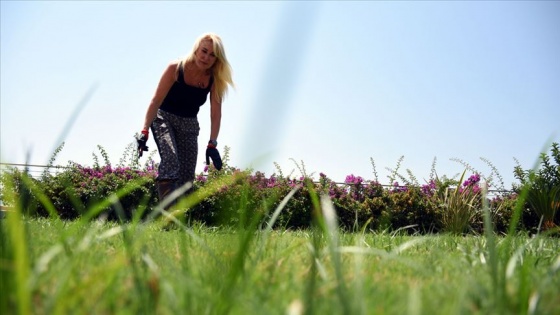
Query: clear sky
332, 84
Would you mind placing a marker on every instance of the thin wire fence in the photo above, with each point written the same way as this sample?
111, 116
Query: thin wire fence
33, 170
36, 171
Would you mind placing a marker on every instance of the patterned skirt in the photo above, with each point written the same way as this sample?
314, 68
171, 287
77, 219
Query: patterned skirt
177, 140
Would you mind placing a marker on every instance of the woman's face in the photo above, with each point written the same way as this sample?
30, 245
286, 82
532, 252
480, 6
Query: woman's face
205, 57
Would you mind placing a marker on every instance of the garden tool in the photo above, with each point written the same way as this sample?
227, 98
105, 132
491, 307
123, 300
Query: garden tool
141, 140
212, 152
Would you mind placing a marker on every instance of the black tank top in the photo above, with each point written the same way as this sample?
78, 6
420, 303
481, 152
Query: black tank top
185, 100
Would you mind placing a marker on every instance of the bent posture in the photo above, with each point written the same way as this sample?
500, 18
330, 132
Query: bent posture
172, 113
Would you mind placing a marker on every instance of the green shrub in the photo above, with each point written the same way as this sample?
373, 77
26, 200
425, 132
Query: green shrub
298, 212
440, 205
410, 208
543, 185
501, 209
77, 188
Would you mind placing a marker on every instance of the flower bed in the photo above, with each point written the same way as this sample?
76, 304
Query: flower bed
441, 205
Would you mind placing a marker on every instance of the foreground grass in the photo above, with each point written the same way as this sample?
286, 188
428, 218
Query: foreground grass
101, 268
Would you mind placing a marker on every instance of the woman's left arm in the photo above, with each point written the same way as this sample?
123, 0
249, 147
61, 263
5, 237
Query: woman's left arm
215, 114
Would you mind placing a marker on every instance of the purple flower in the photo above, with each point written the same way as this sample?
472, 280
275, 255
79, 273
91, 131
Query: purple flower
271, 182
476, 189
429, 188
472, 181
399, 188
351, 179
471, 185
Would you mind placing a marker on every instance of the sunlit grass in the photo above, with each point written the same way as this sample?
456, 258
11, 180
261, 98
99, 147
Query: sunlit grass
106, 267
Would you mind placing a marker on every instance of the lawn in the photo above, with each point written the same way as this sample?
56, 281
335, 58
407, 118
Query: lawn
70, 267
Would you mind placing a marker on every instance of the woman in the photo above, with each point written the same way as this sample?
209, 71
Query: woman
172, 114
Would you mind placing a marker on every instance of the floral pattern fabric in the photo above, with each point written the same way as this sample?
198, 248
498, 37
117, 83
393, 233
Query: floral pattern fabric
177, 140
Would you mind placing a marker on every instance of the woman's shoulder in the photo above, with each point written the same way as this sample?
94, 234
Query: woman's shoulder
172, 65
171, 70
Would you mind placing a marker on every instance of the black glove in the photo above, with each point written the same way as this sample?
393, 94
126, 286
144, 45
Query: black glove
141, 139
212, 152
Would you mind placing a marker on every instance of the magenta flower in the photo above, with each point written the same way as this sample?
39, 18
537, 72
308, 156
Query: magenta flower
472, 181
351, 179
399, 188
271, 182
429, 188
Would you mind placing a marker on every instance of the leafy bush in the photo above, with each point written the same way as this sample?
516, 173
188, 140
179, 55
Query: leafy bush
348, 200
461, 206
240, 198
543, 185
410, 208
77, 189
501, 209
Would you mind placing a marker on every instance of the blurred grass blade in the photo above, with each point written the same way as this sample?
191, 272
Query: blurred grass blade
41, 196
17, 241
102, 205
414, 301
496, 275
316, 268
74, 116
332, 235
279, 208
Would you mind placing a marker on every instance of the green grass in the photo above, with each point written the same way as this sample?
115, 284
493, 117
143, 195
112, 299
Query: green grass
58, 267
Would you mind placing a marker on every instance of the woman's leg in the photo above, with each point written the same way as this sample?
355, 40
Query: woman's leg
187, 148
168, 170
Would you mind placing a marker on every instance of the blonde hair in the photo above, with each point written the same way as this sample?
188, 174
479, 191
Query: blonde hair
221, 70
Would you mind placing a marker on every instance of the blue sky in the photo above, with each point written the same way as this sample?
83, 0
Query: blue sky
332, 84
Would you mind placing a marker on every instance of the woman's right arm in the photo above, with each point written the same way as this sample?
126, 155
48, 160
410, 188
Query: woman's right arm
165, 83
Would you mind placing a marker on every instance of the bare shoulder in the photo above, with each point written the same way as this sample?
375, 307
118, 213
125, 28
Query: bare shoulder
166, 81
171, 70
173, 64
